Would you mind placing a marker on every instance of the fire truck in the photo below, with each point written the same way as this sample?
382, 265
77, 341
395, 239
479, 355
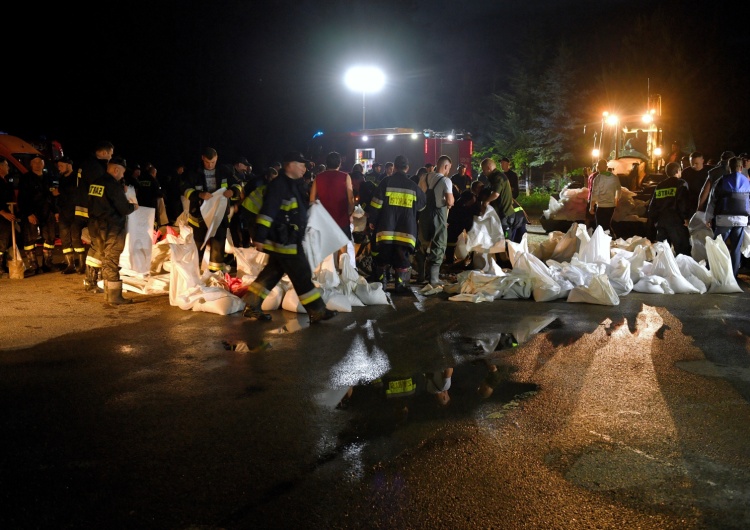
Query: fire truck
384, 145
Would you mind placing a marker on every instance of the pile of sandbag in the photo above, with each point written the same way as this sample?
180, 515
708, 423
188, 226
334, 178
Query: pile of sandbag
570, 207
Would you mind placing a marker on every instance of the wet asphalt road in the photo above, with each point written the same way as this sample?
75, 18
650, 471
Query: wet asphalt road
634, 416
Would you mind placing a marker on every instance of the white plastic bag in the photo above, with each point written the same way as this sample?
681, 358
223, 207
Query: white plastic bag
599, 292
720, 262
370, 293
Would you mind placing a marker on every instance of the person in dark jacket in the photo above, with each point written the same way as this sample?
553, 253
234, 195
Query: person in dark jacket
70, 227
108, 211
200, 186
281, 225
729, 209
91, 169
393, 220
669, 208
461, 217
37, 212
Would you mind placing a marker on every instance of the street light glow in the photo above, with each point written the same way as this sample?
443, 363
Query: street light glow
364, 79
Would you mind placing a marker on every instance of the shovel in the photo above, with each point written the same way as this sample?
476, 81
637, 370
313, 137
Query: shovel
16, 266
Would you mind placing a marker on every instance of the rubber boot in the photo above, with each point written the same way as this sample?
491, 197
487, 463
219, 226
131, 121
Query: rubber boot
31, 264
114, 294
419, 259
70, 261
81, 262
253, 304
378, 275
47, 264
402, 282
435, 274
90, 283
321, 312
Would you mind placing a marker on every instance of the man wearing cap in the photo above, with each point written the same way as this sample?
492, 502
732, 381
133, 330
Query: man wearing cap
108, 211
714, 174
199, 187
374, 174
280, 228
37, 213
91, 169
392, 218
70, 227
241, 233
461, 181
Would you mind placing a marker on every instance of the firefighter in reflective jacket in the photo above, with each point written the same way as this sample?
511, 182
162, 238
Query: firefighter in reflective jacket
392, 217
280, 227
200, 186
669, 209
108, 210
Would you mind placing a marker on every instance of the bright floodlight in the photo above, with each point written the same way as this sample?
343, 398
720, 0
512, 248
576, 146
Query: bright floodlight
364, 79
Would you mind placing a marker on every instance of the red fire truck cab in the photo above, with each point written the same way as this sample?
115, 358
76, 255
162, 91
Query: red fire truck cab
384, 145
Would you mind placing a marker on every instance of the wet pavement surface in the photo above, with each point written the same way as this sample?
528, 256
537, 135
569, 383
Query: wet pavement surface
423, 413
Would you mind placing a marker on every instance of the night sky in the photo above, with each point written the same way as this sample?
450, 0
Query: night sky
164, 79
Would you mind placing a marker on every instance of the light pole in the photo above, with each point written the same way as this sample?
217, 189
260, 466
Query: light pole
364, 79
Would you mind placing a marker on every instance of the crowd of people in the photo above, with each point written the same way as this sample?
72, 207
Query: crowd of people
414, 216
712, 195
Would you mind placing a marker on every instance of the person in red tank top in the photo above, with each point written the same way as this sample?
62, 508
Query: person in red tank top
333, 188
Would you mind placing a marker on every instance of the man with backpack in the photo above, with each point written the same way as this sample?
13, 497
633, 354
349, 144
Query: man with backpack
433, 222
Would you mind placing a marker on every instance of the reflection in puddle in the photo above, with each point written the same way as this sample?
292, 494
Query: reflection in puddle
242, 346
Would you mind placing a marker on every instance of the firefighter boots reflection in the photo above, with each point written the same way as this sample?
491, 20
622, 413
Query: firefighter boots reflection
70, 264
114, 293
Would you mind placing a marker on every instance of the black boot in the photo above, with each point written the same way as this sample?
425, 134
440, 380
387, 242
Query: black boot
114, 293
47, 264
402, 282
253, 304
419, 261
31, 264
70, 267
318, 311
90, 282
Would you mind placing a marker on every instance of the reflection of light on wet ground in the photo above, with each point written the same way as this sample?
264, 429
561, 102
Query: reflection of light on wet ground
353, 457
360, 364
620, 395
126, 349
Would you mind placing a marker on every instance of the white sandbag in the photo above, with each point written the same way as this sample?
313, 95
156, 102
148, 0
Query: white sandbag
249, 262
618, 272
652, 285
516, 248
664, 265
699, 231
348, 275
359, 218
461, 250
544, 287
291, 302
745, 247
213, 211
325, 274
274, 298
210, 300
336, 301
371, 293
517, 285
139, 240
599, 292
160, 255
184, 274
720, 263
486, 233
566, 246
595, 249
322, 236
692, 269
